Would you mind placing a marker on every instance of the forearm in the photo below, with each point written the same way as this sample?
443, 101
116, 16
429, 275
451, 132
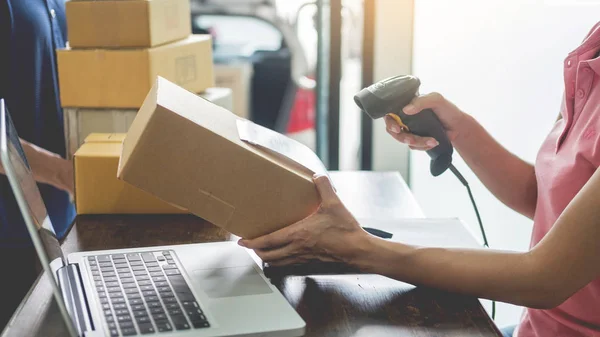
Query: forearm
47, 167
509, 178
504, 276
564, 261
43, 163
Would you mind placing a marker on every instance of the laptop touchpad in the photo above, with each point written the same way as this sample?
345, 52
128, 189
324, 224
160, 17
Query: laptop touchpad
229, 282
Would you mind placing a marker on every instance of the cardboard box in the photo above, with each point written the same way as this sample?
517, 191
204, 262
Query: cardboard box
190, 153
121, 78
97, 189
127, 23
81, 122
237, 77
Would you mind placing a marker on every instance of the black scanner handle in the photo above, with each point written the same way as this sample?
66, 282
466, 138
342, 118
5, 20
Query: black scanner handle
427, 124
391, 96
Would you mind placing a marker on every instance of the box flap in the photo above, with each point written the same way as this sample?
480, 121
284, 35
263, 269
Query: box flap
270, 140
105, 138
99, 149
194, 38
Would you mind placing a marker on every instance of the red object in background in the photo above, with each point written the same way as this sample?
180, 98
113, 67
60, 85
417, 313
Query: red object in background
302, 116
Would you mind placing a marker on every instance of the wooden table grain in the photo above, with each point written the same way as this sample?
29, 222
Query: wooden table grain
331, 305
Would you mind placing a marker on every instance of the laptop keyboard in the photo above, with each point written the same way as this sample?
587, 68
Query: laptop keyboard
144, 293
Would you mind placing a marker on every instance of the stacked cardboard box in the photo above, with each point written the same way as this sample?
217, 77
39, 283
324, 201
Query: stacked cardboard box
117, 49
236, 76
98, 191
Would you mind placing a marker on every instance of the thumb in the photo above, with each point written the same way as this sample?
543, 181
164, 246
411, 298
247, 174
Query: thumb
326, 190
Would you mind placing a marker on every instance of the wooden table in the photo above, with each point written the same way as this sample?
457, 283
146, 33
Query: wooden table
342, 305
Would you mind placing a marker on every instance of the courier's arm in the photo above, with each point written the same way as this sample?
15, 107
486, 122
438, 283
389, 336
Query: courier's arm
48, 167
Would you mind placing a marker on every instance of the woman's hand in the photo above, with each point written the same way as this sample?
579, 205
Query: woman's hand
450, 116
330, 235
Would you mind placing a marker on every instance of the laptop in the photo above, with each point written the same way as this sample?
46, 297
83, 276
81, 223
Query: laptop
212, 289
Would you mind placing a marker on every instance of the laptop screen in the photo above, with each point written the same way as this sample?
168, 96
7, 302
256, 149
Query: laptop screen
33, 202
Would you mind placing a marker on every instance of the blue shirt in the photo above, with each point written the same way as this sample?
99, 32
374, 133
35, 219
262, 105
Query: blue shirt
30, 32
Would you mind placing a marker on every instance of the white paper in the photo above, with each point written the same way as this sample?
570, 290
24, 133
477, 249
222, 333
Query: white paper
440, 233
258, 135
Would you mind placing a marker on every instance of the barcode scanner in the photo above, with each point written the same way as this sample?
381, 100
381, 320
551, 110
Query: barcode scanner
389, 97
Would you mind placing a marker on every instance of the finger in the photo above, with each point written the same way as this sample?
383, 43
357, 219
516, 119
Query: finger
423, 147
419, 148
420, 103
280, 253
414, 140
429, 142
403, 137
326, 190
391, 125
276, 239
288, 261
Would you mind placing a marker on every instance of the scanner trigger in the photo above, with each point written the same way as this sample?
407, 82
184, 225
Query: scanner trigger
399, 121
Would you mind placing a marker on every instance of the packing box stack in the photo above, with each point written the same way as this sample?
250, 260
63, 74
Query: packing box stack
117, 49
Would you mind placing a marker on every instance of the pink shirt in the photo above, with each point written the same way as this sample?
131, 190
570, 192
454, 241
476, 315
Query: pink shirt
566, 161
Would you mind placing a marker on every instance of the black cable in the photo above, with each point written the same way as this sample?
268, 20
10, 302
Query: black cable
464, 182
485, 241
